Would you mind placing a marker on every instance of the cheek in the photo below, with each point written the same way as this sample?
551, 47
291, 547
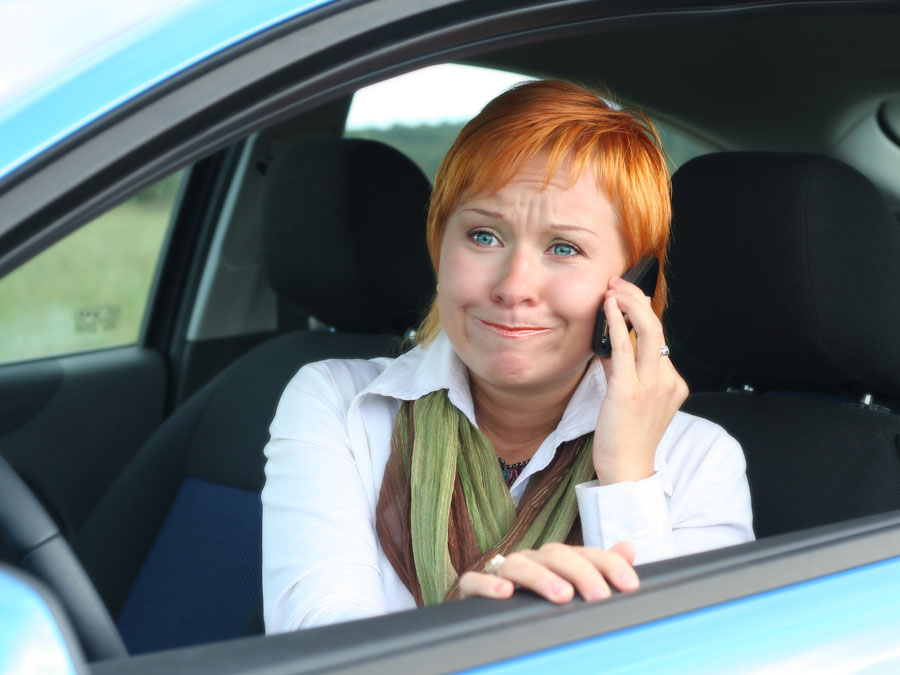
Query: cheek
461, 276
577, 301
454, 286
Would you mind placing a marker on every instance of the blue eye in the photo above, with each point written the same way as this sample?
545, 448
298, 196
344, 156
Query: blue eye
564, 250
484, 238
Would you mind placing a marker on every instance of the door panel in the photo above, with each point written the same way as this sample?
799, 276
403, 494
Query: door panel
69, 425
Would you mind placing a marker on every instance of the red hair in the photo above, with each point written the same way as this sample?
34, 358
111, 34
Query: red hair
571, 124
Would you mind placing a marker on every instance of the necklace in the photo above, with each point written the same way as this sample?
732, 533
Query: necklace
511, 471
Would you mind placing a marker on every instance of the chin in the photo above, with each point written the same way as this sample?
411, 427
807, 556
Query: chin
521, 373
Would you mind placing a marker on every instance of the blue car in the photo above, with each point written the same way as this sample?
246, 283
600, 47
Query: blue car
186, 218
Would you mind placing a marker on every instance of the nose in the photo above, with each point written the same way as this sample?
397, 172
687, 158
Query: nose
517, 280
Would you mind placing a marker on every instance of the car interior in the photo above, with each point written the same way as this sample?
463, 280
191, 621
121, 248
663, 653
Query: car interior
296, 244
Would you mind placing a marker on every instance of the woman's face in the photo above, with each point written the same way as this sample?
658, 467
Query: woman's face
522, 274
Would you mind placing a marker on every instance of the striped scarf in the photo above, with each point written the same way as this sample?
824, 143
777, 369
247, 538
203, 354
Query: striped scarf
444, 508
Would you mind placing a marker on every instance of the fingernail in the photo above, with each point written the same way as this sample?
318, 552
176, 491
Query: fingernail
559, 590
600, 593
628, 579
500, 588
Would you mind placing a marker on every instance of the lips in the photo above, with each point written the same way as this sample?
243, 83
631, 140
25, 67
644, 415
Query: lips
513, 331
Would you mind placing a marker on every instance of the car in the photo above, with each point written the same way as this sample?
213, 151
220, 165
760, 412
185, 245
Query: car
176, 240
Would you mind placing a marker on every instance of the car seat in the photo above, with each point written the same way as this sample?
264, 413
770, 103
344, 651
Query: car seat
174, 547
784, 319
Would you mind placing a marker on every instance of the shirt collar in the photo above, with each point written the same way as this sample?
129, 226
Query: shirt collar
423, 370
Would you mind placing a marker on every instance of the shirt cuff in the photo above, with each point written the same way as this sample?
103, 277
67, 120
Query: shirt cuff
635, 511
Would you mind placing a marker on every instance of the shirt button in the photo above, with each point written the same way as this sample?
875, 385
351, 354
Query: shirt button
621, 536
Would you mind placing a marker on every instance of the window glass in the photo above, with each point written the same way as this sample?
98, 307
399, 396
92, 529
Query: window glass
436, 102
680, 145
89, 290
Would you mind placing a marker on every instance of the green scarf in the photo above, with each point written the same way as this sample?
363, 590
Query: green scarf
444, 507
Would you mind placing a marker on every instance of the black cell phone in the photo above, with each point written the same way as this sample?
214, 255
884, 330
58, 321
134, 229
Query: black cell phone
643, 275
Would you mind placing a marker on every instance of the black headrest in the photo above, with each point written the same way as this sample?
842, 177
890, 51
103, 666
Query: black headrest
784, 273
343, 226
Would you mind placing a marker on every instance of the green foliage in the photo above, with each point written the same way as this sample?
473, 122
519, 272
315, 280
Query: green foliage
88, 291
425, 144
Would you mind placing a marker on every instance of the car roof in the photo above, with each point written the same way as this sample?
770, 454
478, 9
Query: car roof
789, 80
113, 63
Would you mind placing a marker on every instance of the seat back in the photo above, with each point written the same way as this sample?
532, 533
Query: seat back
782, 319
174, 547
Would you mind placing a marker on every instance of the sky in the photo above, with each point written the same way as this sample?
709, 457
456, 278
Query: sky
36, 36
423, 101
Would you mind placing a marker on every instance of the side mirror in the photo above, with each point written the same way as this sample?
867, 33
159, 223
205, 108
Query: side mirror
35, 634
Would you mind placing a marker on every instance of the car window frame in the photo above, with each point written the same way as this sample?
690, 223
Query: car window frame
135, 146
477, 631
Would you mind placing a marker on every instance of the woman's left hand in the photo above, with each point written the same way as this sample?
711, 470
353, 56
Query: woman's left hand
643, 390
556, 572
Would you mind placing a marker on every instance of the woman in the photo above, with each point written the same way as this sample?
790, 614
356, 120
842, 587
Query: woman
500, 451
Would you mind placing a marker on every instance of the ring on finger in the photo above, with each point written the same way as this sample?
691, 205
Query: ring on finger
664, 350
492, 566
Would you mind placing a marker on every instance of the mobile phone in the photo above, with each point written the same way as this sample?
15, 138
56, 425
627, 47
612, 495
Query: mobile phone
643, 275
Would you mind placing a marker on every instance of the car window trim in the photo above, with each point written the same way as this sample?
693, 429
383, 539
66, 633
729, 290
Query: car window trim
223, 99
473, 632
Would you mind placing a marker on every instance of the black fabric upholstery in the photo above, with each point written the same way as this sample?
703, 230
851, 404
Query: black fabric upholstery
357, 261
782, 277
217, 436
344, 233
809, 461
783, 274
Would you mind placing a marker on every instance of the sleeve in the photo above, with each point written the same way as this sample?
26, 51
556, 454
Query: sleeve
697, 500
320, 553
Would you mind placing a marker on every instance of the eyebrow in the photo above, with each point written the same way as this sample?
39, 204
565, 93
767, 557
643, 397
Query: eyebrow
556, 226
489, 214
566, 228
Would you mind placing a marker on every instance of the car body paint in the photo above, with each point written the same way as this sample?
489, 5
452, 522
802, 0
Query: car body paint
146, 55
840, 623
30, 638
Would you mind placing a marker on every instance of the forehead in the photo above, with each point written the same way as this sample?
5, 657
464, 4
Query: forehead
558, 182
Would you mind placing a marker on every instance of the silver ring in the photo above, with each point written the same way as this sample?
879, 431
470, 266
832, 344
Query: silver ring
664, 350
493, 565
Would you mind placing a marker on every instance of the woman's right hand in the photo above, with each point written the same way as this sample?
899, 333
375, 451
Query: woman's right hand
556, 571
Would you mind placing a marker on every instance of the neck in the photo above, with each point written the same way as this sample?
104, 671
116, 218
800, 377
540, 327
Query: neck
518, 421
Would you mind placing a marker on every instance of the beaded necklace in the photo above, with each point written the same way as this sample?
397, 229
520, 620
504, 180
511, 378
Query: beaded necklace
511, 471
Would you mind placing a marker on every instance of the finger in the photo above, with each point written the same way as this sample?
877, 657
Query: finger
472, 584
615, 565
625, 549
647, 328
570, 563
527, 573
622, 356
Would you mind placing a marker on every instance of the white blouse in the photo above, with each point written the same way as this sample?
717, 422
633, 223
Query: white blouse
330, 441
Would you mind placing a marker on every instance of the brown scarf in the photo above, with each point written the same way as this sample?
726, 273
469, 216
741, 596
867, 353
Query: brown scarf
546, 512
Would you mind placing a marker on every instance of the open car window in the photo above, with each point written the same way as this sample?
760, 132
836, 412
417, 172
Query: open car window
439, 100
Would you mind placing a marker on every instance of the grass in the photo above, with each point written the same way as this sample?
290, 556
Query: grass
90, 290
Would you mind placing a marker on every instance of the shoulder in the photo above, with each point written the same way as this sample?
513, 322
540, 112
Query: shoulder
338, 380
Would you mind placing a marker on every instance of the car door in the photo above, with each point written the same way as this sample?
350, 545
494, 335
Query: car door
275, 77
88, 326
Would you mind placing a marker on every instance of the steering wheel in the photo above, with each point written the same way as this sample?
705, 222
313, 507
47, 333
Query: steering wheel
39, 548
